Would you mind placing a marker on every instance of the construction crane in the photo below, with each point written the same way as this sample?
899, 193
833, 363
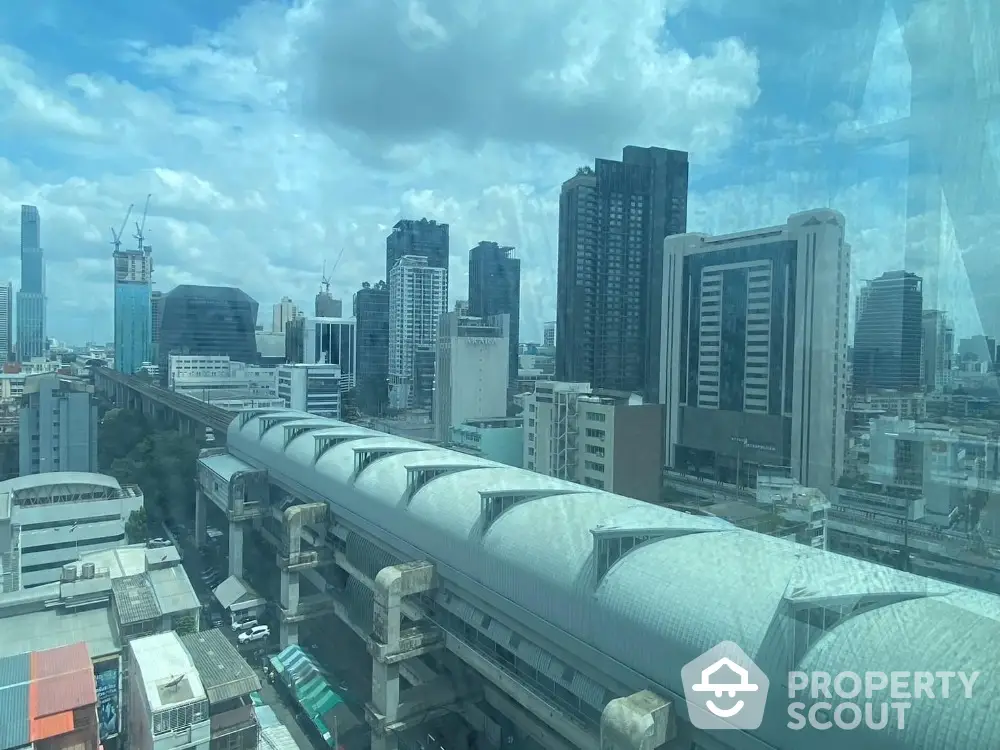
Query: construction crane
117, 236
326, 279
141, 226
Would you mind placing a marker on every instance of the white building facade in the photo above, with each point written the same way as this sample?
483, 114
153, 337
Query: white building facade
418, 297
282, 314
551, 428
168, 705
753, 355
471, 373
311, 388
51, 519
332, 341
222, 382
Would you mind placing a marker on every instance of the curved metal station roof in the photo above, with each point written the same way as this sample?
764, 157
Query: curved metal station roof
683, 584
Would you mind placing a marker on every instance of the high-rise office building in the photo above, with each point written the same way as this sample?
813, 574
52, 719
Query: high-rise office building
495, 289
324, 341
371, 311
133, 309
754, 350
471, 380
57, 425
418, 296
6, 321
612, 222
938, 349
207, 321
155, 318
31, 296
424, 238
887, 334
282, 314
549, 334
328, 307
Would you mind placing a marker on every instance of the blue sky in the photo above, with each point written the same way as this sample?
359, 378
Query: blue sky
273, 134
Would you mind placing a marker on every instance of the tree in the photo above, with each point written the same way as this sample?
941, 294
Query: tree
137, 527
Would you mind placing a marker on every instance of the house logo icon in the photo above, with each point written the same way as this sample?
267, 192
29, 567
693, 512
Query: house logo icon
724, 689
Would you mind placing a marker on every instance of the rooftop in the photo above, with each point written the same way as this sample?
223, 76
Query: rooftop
169, 676
224, 673
51, 628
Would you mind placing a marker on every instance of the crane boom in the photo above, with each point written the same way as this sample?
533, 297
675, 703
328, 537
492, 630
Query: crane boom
140, 227
117, 236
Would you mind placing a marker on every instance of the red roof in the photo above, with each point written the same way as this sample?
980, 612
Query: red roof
59, 660
61, 679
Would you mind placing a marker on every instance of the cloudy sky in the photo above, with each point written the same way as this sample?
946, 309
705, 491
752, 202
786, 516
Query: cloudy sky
273, 135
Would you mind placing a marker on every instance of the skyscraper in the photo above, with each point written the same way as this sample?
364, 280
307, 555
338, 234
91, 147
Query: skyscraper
371, 311
208, 321
31, 297
282, 313
133, 308
423, 238
6, 321
495, 289
888, 332
938, 349
755, 350
418, 296
612, 222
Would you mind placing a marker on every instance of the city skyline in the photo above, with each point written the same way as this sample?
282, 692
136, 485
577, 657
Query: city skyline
222, 214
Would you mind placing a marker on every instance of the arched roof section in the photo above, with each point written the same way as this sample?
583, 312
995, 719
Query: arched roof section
453, 503
308, 446
295, 428
340, 462
550, 536
65, 478
391, 476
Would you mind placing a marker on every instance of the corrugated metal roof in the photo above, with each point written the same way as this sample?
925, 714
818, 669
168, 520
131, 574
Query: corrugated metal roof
63, 692
15, 725
277, 737
224, 673
173, 590
46, 727
60, 660
15, 670
134, 599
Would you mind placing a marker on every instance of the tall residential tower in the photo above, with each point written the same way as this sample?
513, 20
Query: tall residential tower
418, 297
31, 297
6, 321
612, 222
495, 289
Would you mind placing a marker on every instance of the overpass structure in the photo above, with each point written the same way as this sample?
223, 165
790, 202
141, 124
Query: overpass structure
188, 414
553, 613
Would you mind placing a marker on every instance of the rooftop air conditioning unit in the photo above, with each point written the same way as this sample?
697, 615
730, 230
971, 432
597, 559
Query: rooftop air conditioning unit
68, 573
88, 570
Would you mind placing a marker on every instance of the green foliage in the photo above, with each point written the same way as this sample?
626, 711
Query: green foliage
135, 450
137, 527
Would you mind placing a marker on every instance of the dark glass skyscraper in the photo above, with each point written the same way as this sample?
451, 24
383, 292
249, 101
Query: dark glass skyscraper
371, 313
887, 334
612, 223
31, 297
495, 289
207, 321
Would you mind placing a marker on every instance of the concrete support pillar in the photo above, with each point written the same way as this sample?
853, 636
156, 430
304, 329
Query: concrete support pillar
200, 517
392, 585
641, 721
290, 605
236, 549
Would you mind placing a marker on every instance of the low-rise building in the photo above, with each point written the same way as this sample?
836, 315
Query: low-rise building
190, 691
48, 699
50, 519
313, 388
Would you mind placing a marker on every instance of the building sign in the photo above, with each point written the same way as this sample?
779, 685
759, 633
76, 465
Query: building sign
107, 675
755, 446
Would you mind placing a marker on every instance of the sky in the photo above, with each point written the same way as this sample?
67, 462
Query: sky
278, 136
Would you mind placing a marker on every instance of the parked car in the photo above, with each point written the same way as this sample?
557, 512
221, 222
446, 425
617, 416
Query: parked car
159, 542
247, 623
256, 633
